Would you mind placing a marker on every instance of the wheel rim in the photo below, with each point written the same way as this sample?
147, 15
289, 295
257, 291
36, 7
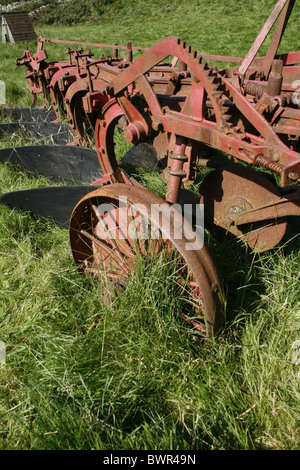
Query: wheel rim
113, 226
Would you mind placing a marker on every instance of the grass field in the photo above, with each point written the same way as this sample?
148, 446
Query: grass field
130, 376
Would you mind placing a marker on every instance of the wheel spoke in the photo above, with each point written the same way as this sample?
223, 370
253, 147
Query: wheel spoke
112, 234
115, 255
109, 243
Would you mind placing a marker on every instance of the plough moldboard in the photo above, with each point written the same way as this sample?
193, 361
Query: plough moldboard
179, 116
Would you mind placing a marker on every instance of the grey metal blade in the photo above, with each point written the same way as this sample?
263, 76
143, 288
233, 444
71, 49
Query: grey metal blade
28, 114
143, 156
54, 202
60, 134
57, 162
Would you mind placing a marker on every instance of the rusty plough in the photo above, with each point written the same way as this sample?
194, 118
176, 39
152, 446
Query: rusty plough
182, 116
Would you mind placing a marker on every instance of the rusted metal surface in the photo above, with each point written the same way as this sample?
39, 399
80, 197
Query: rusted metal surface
283, 8
184, 110
232, 199
247, 118
100, 247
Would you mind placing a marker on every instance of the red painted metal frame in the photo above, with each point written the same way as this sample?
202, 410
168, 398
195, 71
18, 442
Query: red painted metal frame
247, 111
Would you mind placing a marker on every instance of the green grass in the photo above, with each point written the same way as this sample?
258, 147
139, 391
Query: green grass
82, 375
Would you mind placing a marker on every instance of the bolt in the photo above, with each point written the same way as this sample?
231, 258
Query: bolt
293, 176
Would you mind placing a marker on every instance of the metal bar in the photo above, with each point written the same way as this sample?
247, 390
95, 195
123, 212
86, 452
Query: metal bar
290, 58
222, 58
278, 33
280, 207
81, 43
216, 57
262, 36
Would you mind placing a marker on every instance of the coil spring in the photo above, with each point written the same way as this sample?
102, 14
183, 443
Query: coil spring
256, 89
265, 163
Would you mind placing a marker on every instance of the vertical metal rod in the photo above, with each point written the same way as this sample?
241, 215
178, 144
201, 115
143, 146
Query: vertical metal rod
277, 35
275, 78
115, 51
89, 79
181, 66
129, 52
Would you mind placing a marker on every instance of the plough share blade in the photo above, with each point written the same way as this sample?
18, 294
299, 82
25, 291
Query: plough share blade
74, 165
54, 203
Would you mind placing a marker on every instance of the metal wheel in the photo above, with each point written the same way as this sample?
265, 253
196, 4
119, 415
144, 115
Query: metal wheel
113, 226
